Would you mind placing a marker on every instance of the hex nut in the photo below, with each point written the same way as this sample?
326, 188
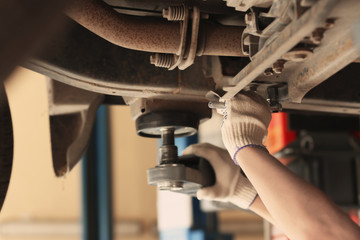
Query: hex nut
248, 17
268, 72
317, 35
278, 66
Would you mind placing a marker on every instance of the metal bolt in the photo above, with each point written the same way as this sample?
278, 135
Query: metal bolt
174, 13
275, 107
153, 59
278, 66
167, 151
248, 17
246, 44
167, 136
162, 60
216, 105
165, 13
268, 72
317, 35
307, 143
273, 99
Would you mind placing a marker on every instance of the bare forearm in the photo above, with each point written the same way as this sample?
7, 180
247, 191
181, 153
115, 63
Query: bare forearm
259, 208
301, 210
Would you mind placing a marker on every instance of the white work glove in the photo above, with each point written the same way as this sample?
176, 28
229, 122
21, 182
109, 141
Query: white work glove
246, 119
231, 185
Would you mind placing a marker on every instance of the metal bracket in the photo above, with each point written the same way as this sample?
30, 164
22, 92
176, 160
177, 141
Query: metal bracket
286, 40
187, 50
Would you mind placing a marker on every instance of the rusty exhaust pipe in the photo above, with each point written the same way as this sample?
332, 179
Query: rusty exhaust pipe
151, 34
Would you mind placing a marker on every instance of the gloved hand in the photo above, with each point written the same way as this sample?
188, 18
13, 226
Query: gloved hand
231, 185
246, 119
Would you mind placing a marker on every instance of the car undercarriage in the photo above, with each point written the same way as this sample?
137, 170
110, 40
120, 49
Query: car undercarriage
172, 60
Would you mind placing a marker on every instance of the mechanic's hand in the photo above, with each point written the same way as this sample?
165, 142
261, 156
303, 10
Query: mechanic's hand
246, 119
231, 185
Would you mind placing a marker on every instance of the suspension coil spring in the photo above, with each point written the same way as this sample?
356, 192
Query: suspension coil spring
174, 13
162, 60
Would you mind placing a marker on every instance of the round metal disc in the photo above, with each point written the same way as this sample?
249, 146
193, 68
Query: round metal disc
150, 124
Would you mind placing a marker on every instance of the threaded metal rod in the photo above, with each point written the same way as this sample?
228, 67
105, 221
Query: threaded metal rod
162, 60
174, 13
168, 150
167, 136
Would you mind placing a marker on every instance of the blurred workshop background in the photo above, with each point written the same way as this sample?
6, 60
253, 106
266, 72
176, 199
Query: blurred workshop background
41, 206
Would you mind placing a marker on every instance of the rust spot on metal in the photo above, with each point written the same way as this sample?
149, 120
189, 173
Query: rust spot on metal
323, 64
